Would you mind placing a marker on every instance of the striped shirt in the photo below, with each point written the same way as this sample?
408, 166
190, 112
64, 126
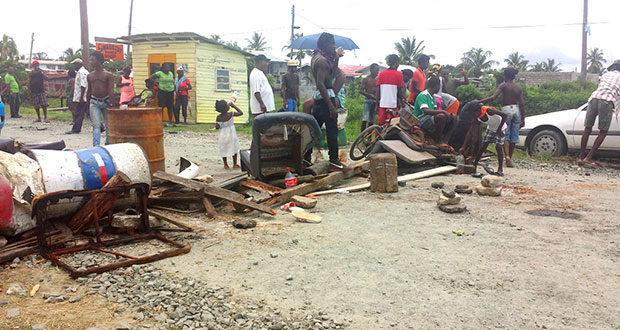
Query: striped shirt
608, 87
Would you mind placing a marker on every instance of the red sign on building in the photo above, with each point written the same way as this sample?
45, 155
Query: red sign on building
111, 51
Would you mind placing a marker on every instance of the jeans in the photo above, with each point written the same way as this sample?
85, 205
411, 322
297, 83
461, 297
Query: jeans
292, 105
15, 101
98, 108
181, 104
78, 117
320, 111
513, 123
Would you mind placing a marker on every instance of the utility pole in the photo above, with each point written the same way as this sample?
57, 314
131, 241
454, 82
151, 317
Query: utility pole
584, 43
293, 27
129, 33
84, 29
31, 43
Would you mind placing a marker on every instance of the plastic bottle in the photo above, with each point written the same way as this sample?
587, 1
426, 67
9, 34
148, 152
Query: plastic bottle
290, 179
460, 164
233, 97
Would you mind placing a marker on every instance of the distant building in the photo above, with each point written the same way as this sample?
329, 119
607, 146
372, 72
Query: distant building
215, 70
48, 64
538, 78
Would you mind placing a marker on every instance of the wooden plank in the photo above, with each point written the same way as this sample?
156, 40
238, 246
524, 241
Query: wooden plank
261, 186
211, 191
402, 151
211, 212
164, 217
403, 178
228, 181
306, 188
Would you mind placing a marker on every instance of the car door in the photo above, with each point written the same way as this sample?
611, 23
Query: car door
612, 141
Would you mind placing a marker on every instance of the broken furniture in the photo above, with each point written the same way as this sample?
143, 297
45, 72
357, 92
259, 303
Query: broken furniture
279, 141
90, 215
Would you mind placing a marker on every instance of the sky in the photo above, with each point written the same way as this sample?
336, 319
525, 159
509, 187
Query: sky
448, 27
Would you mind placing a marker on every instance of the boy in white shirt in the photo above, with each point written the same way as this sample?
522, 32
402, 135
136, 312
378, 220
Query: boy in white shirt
496, 127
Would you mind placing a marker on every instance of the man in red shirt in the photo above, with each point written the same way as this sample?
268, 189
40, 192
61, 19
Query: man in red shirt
389, 93
418, 82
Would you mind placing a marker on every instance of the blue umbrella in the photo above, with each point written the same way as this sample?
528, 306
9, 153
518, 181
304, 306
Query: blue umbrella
309, 42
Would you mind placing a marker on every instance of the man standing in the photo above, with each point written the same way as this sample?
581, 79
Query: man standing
368, 88
450, 85
262, 94
418, 81
37, 91
80, 88
602, 104
14, 97
290, 87
513, 105
324, 65
390, 90
100, 93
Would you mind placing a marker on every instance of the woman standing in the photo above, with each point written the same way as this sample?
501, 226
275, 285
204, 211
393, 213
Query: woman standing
165, 79
181, 88
125, 82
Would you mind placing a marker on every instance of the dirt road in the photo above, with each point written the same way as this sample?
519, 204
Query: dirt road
395, 261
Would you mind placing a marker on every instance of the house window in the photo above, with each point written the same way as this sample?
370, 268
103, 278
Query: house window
222, 80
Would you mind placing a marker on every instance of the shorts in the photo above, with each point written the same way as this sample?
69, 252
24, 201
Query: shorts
491, 136
383, 116
291, 105
601, 108
513, 123
427, 123
368, 115
39, 100
166, 99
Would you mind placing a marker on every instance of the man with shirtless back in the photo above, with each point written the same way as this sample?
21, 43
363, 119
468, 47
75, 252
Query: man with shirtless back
514, 107
324, 65
368, 88
100, 94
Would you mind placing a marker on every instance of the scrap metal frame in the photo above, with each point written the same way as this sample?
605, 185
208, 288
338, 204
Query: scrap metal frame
42, 203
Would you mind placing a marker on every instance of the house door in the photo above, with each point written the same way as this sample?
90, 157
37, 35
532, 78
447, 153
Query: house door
154, 63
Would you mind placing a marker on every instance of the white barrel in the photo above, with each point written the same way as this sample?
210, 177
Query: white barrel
130, 159
60, 169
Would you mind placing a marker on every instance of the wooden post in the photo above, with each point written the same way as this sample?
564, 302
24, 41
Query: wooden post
383, 173
84, 29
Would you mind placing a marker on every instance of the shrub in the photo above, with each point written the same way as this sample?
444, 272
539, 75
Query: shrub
467, 93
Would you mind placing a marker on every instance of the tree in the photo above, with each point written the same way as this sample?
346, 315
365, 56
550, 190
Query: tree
298, 54
551, 66
595, 60
232, 44
40, 56
8, 48
538, 67
68, 55
409, 50
216, 38
477, 60
257, 42
517, 61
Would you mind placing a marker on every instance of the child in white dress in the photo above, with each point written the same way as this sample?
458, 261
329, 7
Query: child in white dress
225, 122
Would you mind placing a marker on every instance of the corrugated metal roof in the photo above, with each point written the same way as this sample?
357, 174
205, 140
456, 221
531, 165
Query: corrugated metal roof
351, 70
146, 37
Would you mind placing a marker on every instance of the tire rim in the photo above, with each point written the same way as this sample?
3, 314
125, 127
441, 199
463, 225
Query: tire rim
546, 144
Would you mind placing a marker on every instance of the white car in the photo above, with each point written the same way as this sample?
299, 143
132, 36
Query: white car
556, 133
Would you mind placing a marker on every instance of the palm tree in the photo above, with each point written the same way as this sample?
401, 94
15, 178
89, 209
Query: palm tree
40, 56
8, 48
537, 67
409, 50
517, 61
68, 55
595, 60
298, 54
216, 38
551, 66
477, 60
257, 42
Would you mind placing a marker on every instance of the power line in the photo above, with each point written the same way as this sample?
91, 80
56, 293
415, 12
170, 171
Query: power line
454, 28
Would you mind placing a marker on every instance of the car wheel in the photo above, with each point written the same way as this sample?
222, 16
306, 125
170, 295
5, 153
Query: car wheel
547, 142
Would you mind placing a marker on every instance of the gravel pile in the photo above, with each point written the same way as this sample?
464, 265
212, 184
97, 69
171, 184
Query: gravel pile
564, 167
165, 301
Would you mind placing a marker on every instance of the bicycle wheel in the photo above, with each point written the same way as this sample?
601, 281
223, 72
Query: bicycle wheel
364, 143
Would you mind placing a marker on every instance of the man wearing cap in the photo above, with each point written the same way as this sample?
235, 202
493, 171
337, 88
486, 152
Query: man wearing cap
601, 104
181, 87
80, 89
14, 97
290, 87
262, 94
37, 91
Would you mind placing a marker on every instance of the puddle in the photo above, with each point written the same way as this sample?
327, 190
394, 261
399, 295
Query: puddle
554, 213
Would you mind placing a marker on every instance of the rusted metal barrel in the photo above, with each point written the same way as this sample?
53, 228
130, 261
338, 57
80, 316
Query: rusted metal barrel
142, 126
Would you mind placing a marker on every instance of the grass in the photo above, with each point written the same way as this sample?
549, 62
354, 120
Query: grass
27, 110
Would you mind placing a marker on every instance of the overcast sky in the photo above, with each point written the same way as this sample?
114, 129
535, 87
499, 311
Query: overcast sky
448, 27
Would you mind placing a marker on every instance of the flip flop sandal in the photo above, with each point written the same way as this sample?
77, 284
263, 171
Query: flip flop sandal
488, 169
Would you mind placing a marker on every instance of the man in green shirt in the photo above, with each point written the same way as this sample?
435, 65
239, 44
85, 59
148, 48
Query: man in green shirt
14, 98
436, 123
165, 94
